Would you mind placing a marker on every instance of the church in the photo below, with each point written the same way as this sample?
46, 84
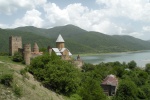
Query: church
60, 49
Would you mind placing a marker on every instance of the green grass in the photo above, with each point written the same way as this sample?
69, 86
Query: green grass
4, 69
6, 59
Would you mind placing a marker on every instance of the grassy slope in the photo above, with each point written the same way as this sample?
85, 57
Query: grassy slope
31, 89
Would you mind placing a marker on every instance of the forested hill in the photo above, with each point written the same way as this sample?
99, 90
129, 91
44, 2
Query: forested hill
76, 39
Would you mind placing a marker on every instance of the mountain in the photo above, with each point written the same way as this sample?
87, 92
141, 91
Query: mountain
148, 40
76, 39
27, 37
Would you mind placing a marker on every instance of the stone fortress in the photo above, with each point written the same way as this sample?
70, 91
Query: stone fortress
15, 45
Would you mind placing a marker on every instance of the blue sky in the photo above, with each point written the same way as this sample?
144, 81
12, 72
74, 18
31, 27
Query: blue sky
112, 17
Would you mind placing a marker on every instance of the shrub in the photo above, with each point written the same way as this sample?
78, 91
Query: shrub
23, 72
75, 97
17, 57
17, 90
6, 79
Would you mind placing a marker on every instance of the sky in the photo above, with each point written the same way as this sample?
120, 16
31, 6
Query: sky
112, 17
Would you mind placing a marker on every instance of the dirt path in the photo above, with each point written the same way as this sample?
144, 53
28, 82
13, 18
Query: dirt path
1, 62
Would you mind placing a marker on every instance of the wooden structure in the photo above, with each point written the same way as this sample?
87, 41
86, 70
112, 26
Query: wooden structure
109, 85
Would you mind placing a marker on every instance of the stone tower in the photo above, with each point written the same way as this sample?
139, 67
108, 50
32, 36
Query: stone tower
78, 57
35, 48
60, 43
27, 53
15, 43
49, 49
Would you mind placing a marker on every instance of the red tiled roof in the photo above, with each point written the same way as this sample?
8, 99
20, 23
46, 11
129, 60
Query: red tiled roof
110, 80
37, 53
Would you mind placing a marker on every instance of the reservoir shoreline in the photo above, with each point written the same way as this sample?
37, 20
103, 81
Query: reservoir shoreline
141, 57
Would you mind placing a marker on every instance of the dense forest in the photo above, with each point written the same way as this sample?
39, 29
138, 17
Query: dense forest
84, 84
76, 39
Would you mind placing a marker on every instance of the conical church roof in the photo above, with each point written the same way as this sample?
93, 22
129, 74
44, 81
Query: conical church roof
35, 48
35, 45
60, 39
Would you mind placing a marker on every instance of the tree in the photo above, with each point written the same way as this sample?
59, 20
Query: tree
118, 71
88, 67
142, 77
146, 90
141, 94
62, 77
132, 64
127, 90
147, 68
90, 89
56, 74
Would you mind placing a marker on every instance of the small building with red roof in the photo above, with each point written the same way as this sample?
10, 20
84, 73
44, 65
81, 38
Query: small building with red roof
109, 85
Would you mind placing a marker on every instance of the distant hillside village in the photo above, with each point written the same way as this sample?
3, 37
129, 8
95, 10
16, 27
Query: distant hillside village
15, 45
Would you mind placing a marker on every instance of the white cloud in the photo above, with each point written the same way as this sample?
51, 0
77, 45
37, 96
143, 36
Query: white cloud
108, 27
123, 17
92, 20
136, 34
3, 26
146, 28
31, 18
55, 15
72, 14
133, 9
9, 6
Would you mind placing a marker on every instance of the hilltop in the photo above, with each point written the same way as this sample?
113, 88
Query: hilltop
77, 40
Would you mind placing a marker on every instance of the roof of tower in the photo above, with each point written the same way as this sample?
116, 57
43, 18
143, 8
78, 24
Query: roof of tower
35, 45
60, 39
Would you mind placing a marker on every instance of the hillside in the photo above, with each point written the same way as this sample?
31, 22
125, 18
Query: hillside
27, 86
27, 37
76, 39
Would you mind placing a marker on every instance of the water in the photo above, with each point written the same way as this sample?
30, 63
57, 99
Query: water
141, 58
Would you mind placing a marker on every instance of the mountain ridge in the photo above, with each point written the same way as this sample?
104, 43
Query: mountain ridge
77, 40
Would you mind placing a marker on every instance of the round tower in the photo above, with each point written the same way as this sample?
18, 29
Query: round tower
35, 48
60, 43
49, 49
27, 53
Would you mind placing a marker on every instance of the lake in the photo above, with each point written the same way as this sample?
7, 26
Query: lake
140, 57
